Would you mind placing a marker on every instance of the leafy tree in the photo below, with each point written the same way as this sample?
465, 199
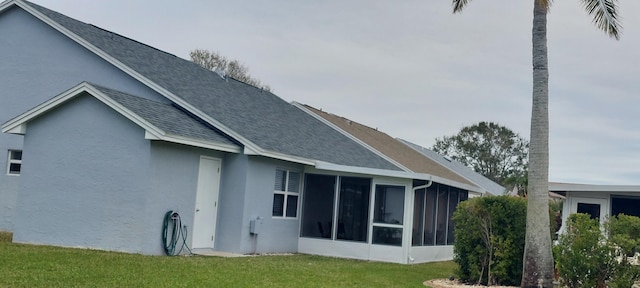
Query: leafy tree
538, 259
233, 68
490, 149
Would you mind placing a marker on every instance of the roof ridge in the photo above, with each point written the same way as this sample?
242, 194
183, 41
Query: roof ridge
347, 119
122, 36
94, 26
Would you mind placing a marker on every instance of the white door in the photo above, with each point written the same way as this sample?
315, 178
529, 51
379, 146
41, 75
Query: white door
206, 208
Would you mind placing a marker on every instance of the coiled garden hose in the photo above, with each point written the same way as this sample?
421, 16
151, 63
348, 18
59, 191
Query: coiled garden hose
172, 224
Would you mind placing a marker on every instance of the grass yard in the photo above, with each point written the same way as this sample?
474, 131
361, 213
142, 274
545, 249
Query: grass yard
44, 266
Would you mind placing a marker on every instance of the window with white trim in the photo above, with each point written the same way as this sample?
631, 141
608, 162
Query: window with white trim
14, 163
285, 195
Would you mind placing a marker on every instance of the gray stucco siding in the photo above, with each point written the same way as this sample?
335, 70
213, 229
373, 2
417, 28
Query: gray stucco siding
173, 186
38, 63
233, 185
275, 234
84, 179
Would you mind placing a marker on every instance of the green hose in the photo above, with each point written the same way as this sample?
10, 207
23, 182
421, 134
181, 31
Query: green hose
172, 222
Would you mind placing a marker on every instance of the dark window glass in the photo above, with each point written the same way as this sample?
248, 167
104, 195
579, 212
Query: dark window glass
281, 179
625, 205
292, 206
294, 182
278, 205
592, 209
389, 206
16, 155
317, 206
14, 168
387, 236
353, 209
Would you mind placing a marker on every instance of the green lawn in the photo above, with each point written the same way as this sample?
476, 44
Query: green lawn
44, 266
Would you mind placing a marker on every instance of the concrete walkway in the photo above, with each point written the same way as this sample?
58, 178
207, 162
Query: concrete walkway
211, 252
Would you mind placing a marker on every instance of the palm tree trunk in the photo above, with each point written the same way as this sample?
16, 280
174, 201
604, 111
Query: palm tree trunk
538, 259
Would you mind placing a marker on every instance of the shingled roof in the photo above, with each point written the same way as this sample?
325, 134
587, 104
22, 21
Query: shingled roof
459, 168
161, 121
408, 155
259, 120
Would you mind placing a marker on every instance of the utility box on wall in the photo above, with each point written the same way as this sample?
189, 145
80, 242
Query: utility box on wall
254, 226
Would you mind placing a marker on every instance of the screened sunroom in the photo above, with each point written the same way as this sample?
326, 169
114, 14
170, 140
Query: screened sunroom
378, 218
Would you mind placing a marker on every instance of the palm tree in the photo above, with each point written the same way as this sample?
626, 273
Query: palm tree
538, 259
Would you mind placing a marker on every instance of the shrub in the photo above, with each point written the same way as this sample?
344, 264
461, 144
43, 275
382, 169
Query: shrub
585, 257
489, 244
625, 232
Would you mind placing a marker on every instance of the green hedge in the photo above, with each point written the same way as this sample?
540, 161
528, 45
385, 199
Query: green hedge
490, 233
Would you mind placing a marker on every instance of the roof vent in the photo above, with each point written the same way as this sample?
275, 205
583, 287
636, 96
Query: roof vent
220, 73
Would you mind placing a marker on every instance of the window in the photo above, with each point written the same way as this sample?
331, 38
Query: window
317, 209
285, 196
353, 209
323, 194
625, 205
593, 210
388, 215
14, 164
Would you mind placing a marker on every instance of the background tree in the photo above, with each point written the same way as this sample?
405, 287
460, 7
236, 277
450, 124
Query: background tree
232, 68
488, 148
538, 259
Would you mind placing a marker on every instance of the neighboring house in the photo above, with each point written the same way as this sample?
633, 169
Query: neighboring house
411, 156
104, 134
448, 178
599, 201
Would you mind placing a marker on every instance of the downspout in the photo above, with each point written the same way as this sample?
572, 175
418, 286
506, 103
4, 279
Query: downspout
423, 186
409, 258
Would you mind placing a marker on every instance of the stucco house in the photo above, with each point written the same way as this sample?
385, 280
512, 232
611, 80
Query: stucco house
104, 134
599, 201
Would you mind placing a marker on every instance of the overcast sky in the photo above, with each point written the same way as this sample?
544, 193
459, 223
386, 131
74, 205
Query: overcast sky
414, 70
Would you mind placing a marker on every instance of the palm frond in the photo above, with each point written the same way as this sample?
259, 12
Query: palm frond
458, 5
605, 16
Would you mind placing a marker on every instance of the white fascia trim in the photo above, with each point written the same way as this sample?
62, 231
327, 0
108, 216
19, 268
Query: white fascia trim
198, 143
280, 156
370, 171
572, 187
348, 135
139, 76
17, 125
6, 4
